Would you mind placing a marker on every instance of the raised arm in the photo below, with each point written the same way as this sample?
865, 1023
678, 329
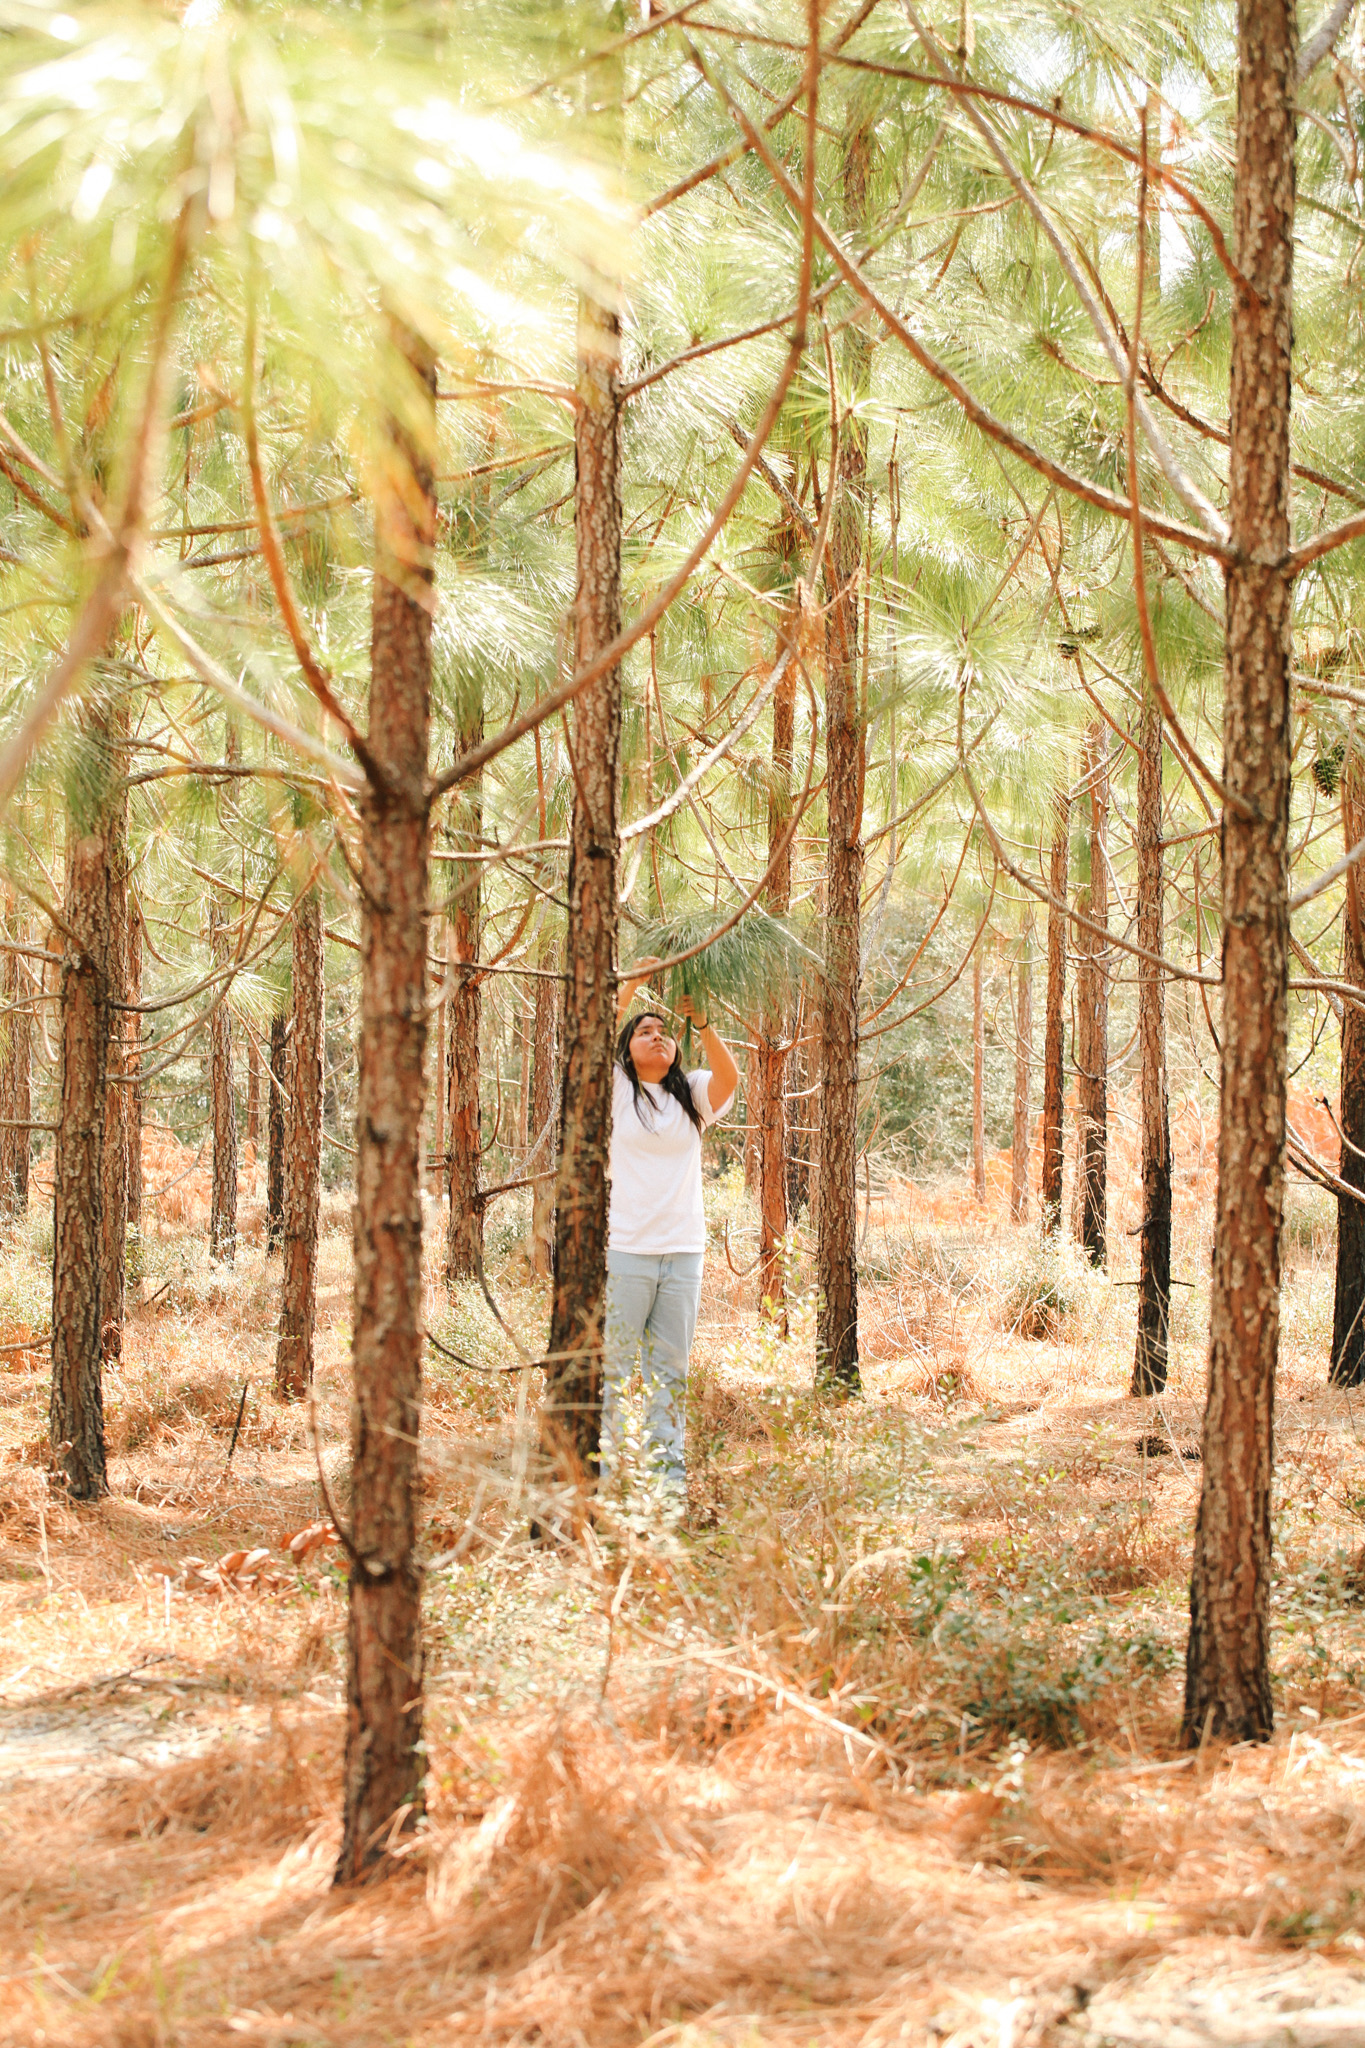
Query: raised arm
633, 983
724, 1072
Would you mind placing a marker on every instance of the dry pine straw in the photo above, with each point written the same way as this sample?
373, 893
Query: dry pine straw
674, 1860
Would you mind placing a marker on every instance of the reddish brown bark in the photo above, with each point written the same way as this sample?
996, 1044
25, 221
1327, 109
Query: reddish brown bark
544, 1092
836, 1336
303, 1160
275, 1121
1054, 1020
253, 1090
1227, 1678
978, 1081
1348, 1303
1092, 1016
1023, 1071
16, 1088
117, 1094
133, 1067
1154, 1254
383, 1766
222, 1108
76, 1408
571, 1416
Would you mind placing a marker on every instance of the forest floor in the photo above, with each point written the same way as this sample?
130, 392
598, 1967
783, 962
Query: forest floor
880, 1747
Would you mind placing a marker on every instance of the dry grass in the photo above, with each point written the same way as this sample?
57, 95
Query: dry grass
881, 1749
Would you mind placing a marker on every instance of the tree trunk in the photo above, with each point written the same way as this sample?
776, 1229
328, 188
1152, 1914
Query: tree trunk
1154, 1249
1054, 1021
253, 1091
275, 1114
303, 1165
1092, 1014
223, 1209
114, 1158
771, 1052
836, 1335
1023, 1066
16, 1069
76, 1410
543, 1094
1227, 1682
384, 1768
464, 1241
438, 1069
1348, 1305
978, 1081
133, 1067
571, 1417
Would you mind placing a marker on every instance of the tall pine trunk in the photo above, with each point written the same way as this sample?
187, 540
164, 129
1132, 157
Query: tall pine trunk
836, 1334
76, 1408
571, 1417
978, 1080
133, 1068
543, 1101
253, 1091
464, 1241
1348, 1304
117, 1094
1023, 1068
1054, 1020
769, 1107
1092, 1015
222, 1108
278, 1071
1227, 1679
1154, 1249
383, 1767
16, 1069
438, 1069
303, 1162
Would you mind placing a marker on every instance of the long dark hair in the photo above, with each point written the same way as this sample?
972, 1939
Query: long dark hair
674, 1082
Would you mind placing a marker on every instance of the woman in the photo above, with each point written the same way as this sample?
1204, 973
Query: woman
656, 1227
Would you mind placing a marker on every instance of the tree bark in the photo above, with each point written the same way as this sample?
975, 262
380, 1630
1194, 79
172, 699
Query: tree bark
275, 1118
16, 1071
76, 1408
383, 1767
223, 1207
1348, 1304
571, 1416
253, 1090
1054, 1020
1227, 1680
1092, 1015
117, 1095
769, 1107
1154, 1250
544, 1146
978, 1081
1023, 1068
836, 1335
438, 1067
464, 1241
303, 1164
133, 1067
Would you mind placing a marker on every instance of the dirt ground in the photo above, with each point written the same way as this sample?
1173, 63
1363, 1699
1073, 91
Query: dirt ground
880, 1747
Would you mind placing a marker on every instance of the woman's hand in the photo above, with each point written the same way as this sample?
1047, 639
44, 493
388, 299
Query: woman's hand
724, 1072
634, 981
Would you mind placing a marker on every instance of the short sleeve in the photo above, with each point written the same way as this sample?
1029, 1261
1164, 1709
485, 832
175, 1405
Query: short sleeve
699, 1081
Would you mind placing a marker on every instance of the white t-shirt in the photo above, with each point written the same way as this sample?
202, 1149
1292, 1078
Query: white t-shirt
655, 1168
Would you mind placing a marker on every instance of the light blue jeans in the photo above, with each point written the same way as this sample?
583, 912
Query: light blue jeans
651, 1318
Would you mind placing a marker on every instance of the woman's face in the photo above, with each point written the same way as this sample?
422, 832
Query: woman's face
652, 1051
